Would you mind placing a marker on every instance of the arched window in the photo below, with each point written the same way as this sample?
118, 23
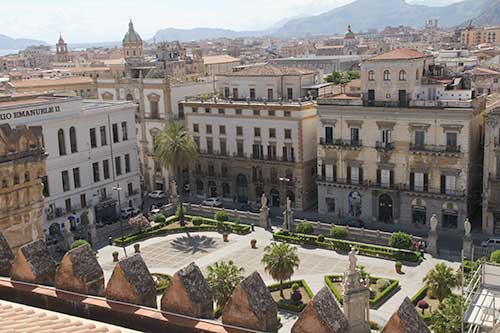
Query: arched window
402, 75
72, 139
387, 75
62, 142
371, 76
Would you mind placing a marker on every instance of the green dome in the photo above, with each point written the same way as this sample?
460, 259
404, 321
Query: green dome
131, 36
349, 34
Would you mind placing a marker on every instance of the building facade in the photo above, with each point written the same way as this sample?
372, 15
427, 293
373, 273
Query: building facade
491, 173
91, 147
157, 95
258, 137
404, 149
22, 167
476, 36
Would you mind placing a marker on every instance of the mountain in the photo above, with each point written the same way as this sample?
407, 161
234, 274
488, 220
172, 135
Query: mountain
491, 16
433, 3
366, 14
8, 43
187, 35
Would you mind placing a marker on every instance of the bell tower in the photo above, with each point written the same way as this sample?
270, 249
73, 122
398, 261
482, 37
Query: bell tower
62, 52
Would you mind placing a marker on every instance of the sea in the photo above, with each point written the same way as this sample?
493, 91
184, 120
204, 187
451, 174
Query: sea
5, 52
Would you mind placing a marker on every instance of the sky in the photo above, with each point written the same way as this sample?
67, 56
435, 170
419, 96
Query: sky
107, 20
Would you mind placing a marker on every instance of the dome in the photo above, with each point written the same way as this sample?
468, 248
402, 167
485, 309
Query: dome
349, 34
131, 36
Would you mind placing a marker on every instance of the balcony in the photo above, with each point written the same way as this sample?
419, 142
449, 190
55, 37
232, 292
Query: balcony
430, 191
62, 212
384, 146
341, 143
449, 150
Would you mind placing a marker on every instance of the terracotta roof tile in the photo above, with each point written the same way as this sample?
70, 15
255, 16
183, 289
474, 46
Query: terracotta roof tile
51, 82
398, 54
269, 70
17, 318
219, 59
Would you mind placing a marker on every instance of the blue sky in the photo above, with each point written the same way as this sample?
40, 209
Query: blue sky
106, 20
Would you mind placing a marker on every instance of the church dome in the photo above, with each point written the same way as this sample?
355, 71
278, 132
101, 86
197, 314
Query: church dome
349, 34
131, 36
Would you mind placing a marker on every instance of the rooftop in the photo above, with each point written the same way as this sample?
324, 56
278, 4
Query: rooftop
269, 70
219, 59
50, 82
398, 54
16, 318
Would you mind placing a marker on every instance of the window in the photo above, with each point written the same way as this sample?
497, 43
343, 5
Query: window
330, 172
154, 108
258, 151
272, 133
385, 178
450, 184
271, 113
387, 75
104, 138
235, 93
72, 139
371, 76
239, 130
127, 163
419, 138
196, 128
354, 136
83, 200
353, 175
450, 219
402, 75
239, 148
237, 112
124, 131
67, 205
252, 93
270, 95
386, 137
207, 110
45, 183
130, 189
223, 148
419, 181
451, 141
95, 171
105, 169
288, 154
115, 133
65, 180
226, 92
256, 132
195, 109
118, 165
289, 93
62, 142
222, 130
209, 129
256, 112
210, 146
417, 74
222, 111
93, 141
76, 177
197, 142
328, 135
271, 152
287, 114
288, 133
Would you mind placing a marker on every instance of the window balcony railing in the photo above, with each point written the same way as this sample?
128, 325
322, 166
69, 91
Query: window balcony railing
341, 142
433, 190
452, 149
379, 145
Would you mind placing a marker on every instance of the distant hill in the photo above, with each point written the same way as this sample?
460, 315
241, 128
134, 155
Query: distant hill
8, 43
187, 35
365, 14
491, 16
